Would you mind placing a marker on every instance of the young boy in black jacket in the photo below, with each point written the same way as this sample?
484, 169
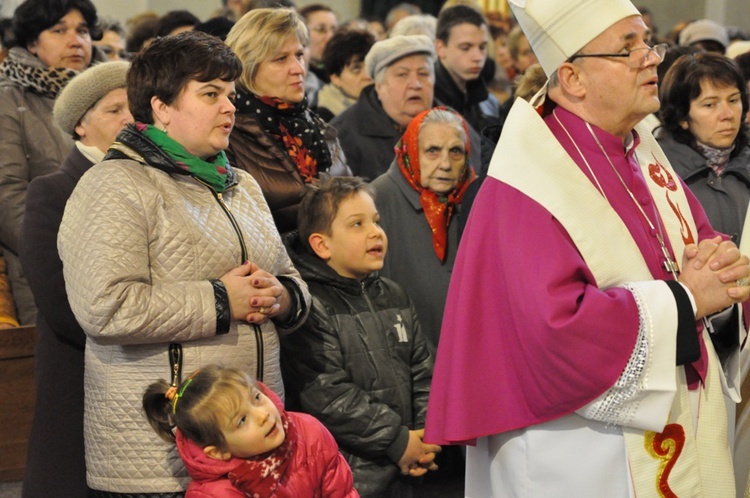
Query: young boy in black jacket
360, 364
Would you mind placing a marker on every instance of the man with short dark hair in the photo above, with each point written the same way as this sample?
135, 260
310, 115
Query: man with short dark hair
461, 42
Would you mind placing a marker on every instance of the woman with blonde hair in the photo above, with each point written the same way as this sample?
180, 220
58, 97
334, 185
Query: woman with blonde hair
276, 137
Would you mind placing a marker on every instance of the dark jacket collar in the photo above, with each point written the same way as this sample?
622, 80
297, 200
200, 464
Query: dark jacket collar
691, 163
312, 269
372, 120
76, 164
451, 95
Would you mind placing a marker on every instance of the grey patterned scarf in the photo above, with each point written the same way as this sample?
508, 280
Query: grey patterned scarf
717, 159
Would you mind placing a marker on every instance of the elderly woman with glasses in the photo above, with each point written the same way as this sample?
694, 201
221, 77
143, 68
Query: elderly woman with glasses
277, 138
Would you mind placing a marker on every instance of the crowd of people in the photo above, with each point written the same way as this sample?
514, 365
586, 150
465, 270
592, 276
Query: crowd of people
431, 251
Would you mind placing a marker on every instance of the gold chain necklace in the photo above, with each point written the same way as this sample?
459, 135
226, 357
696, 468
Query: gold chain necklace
669, 263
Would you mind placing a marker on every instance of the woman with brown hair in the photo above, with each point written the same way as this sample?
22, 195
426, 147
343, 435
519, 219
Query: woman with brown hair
703, 104
171, 260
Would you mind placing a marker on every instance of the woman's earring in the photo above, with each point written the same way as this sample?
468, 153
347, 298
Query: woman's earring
164, 130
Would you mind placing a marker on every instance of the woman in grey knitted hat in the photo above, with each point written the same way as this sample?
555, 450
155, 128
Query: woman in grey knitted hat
92, 108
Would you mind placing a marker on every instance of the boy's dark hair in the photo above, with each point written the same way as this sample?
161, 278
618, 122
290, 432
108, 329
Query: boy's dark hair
346, 47
139, 33
453, 16
176, 19
496, 31
34, 16
167, 65
216, 26
321, 202
682, 85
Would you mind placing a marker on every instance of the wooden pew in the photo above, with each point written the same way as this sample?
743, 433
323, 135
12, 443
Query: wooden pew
17, 392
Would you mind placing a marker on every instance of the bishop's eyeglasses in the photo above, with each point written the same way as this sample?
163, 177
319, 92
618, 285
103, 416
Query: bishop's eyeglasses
635, 58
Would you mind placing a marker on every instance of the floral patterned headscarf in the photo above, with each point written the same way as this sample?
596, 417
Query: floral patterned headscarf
438, 209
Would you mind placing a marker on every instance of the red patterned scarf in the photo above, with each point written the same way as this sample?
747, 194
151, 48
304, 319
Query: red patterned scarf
437, 209
261, 476
290, 125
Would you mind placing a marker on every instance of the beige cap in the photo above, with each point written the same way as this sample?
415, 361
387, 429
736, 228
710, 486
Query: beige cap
386, 52
704, 30
85, 90
557, 29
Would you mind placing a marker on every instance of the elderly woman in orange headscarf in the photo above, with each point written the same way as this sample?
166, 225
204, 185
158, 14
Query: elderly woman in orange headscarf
418, 199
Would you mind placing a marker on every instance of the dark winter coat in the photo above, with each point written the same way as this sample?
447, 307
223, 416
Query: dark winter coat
411, 259
361, 365
55, 465
467, 103
725, 198
251, 149
368, 135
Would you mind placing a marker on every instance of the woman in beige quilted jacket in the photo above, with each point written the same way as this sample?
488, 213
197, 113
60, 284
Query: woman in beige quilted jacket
171, 261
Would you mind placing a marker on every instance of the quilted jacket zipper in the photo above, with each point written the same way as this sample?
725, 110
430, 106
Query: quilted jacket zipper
175, 350
233, 221
175, 362
259, 344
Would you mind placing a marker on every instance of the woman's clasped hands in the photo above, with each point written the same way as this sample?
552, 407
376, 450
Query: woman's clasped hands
255, 295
